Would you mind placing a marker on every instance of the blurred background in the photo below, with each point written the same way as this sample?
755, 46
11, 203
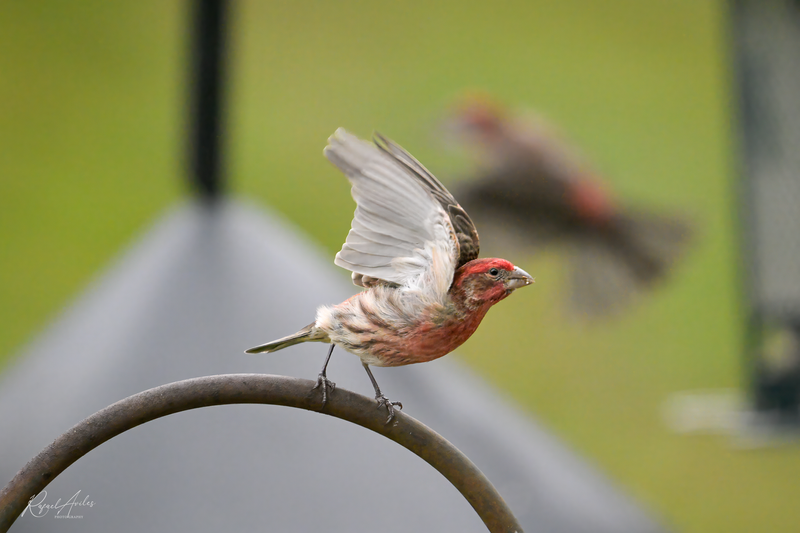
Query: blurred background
92, 123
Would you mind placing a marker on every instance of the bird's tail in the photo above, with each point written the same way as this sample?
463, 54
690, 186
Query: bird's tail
608, 273
308, 333
652, 243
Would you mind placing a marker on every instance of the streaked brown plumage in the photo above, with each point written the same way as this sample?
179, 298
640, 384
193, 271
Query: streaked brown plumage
414, 250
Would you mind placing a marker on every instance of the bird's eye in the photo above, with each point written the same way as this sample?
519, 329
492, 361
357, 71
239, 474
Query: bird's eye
493, 272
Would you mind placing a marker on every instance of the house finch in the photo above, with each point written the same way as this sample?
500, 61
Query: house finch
530, 180
414, 250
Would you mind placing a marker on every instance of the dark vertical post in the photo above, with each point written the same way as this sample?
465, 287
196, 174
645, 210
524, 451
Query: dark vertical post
766, 39
207, 91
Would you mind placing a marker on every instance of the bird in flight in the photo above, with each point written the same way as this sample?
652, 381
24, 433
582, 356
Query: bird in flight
532, 182
414, 251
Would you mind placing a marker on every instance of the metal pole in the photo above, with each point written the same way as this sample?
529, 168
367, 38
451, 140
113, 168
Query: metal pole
255, 388
765, 37
207, 91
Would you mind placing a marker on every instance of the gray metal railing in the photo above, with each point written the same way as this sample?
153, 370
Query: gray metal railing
254, 389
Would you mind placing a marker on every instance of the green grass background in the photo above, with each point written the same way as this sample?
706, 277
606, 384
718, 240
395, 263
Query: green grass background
92, 104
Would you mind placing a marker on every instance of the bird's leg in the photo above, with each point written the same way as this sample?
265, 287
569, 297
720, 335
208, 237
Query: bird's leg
382, 400
322, 378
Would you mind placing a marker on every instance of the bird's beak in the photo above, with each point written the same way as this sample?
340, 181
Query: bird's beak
518, 278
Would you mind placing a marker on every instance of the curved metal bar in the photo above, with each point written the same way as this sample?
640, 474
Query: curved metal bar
254, 388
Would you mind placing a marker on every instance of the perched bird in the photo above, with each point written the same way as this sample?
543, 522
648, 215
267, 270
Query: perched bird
529, 181
414, 250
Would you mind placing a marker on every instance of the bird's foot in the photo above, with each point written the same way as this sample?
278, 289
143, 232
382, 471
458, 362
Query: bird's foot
324, 383
390, 405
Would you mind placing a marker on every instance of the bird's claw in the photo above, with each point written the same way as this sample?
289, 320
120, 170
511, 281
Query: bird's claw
390, 405
324, 383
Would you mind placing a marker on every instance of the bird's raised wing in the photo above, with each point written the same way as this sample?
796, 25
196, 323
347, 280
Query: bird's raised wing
408, 229
465, 232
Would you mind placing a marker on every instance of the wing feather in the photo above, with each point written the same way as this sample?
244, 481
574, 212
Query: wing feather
407, 229
466, 234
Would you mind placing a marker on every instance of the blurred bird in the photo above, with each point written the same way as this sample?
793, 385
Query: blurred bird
415, 252
529, 181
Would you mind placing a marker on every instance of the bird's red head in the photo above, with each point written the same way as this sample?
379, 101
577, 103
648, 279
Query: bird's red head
481, 114
483, 282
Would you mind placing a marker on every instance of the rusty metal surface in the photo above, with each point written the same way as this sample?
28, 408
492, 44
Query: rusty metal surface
254, 389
